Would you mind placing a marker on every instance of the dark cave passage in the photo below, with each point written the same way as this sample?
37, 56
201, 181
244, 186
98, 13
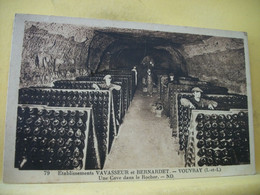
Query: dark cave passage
126, 52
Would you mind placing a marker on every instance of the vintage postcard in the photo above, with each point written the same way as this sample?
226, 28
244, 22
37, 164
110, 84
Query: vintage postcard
98, 100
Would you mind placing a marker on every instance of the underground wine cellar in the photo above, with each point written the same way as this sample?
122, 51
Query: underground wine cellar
138, 120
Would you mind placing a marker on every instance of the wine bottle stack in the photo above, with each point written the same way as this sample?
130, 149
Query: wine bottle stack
89, 78
124, 86
69, 94
98, 100
69, 84
184, 122
117, 100
190, 153
172, 101
117, 95
127, 72
123, 74
101, 105
112, 134
126, 78
50, 139
227, 102
164, 95
222, 139
33, 96
92, 162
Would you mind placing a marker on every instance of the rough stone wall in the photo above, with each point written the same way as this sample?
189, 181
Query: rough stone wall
53, 52
178, 63
220, 61
97, 48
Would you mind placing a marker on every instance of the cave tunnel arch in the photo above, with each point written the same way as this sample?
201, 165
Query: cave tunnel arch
126, 52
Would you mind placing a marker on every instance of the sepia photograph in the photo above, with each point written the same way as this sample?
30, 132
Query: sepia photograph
94, 100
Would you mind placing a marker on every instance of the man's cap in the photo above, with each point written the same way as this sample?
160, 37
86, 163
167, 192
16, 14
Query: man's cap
197, 89
108, 76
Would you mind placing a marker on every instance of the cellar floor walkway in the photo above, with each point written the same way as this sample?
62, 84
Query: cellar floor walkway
144, 140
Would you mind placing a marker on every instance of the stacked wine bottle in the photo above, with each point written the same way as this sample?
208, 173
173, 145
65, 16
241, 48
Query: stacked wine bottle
226, 102
190, 153
124, 86
48, 152
117, 74
49, 139
184, 115
68, 84
125, 78
117, 98
117, 95
98, 100
222, 139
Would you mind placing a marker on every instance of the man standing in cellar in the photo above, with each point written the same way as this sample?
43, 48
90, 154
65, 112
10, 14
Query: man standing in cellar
196, 102
148, 82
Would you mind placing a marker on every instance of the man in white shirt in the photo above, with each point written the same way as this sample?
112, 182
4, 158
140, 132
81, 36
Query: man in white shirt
107, 85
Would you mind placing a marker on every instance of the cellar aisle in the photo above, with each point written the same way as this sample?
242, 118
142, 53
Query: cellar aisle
144, 140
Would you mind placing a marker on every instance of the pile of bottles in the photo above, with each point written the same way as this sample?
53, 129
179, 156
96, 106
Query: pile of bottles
190, 158
46, 138
62, 97
123, 78
70, 84
117, 100
222, 139
184, 116
116, 74
164, 92
49, 139
98, 100
124, 86
226, 102
92, 159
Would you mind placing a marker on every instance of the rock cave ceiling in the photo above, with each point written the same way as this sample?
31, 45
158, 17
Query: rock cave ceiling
154, 38
80, 33
134, 45
97, 49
